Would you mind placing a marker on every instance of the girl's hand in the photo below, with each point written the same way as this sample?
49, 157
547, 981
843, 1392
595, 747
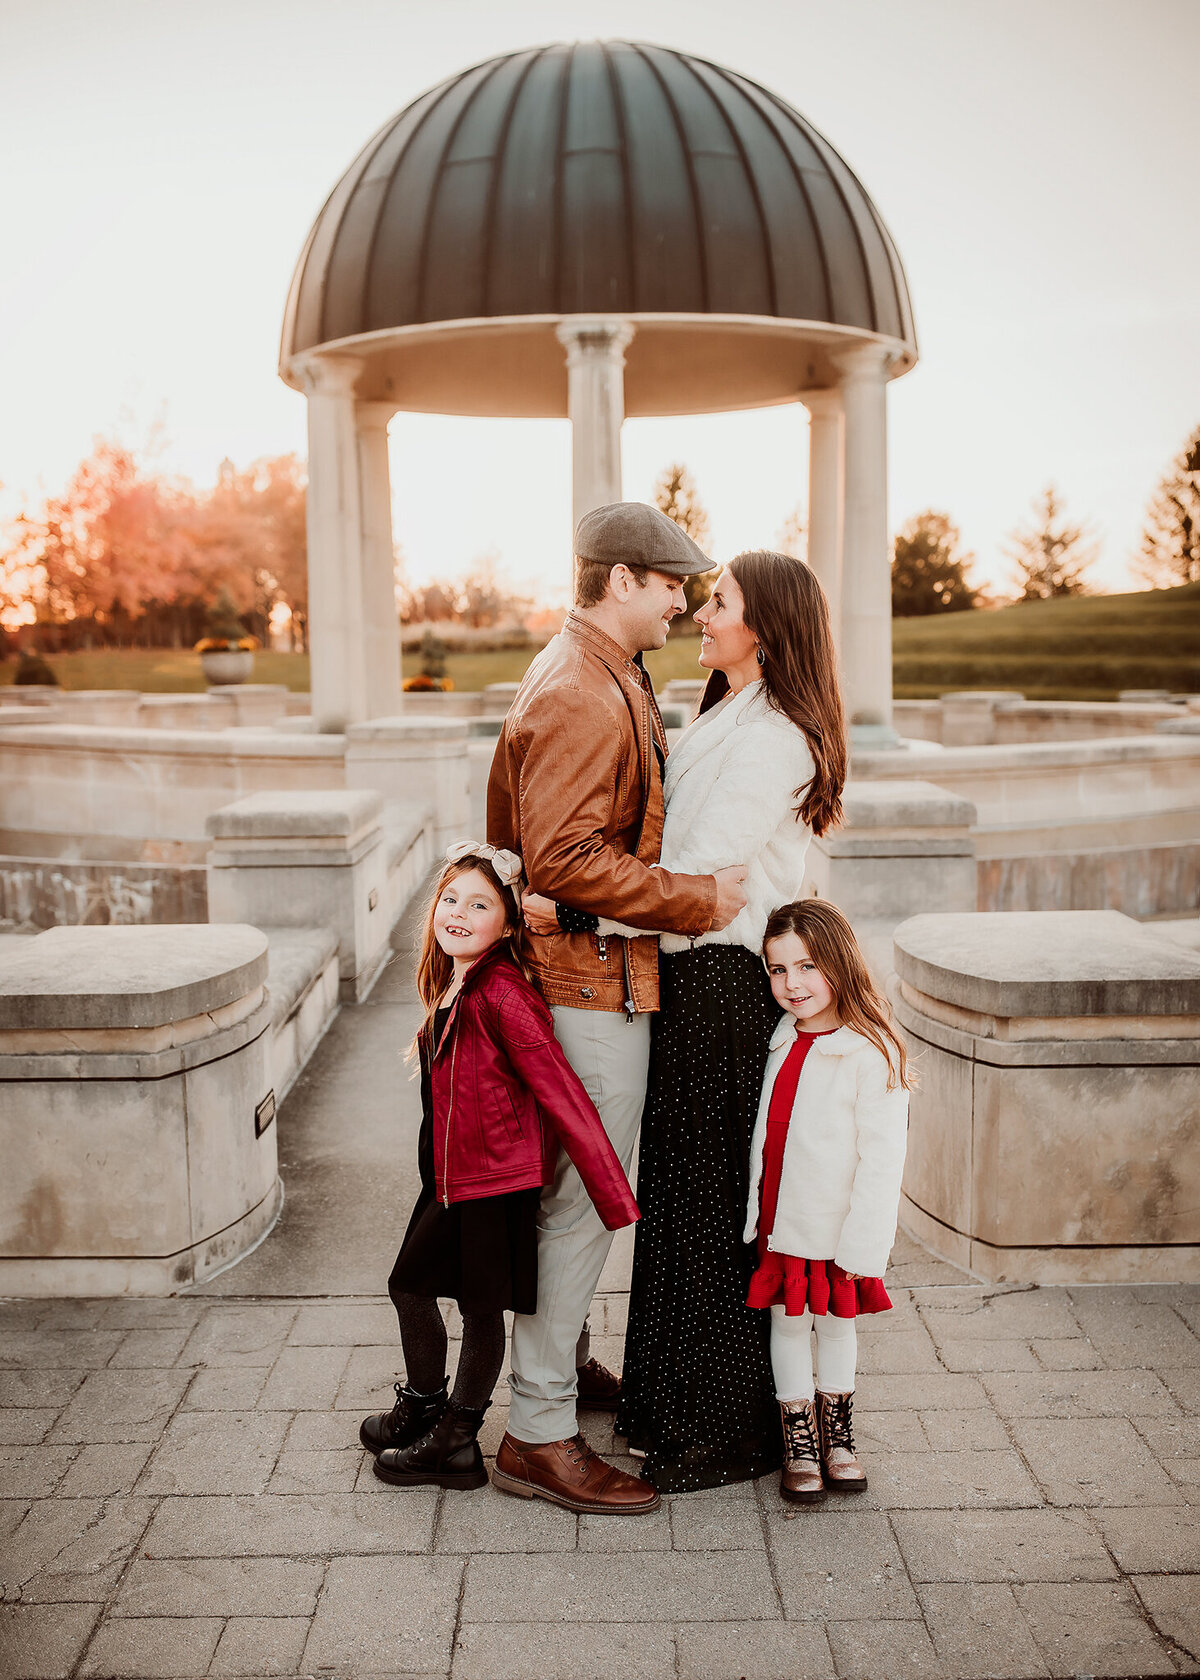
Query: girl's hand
539, 913
855, 1277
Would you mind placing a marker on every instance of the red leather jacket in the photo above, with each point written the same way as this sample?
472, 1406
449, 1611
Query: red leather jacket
505, 1097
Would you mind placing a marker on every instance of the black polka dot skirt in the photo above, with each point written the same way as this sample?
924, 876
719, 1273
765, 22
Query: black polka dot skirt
698, 1394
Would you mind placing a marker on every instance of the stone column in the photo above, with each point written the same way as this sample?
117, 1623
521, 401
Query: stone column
866, 599
825, 496
336, 609
381, 624
596, 404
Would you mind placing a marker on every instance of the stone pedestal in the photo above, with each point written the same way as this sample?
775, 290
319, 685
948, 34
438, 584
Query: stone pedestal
903, 848
306, 860
1054, 1130
136, 1113
417, 762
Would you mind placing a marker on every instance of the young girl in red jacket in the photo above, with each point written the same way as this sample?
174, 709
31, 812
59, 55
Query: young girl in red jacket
498, 1098
826, 1160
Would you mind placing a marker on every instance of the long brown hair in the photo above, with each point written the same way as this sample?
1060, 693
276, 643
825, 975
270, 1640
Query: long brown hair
785, 607
435, 967
830, 942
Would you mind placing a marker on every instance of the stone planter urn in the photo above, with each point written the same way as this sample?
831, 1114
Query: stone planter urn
226, 665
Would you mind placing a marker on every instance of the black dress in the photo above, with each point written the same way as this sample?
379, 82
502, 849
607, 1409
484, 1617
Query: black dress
480, 1253
698, 1394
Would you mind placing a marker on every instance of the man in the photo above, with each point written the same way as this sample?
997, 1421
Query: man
576, 789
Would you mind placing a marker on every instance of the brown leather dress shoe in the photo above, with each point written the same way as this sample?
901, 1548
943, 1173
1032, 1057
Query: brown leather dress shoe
569, 1473
599, 1389
835, 1421
800, 1479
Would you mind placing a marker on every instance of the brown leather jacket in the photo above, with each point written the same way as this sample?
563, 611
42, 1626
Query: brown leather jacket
576, 789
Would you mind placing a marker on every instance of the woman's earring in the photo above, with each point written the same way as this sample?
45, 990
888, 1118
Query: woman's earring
760, 657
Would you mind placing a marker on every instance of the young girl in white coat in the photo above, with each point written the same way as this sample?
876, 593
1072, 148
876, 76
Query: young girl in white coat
825, 1166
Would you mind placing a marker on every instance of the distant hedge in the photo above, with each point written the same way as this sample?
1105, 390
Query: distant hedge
1080, 647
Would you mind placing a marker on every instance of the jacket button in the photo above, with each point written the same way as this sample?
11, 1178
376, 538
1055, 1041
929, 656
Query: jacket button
586, 991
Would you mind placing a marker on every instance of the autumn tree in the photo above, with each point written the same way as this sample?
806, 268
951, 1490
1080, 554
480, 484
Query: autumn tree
115, 540
1051, 555
124, 556
929, 567
251, 532
1170, 547
675, 494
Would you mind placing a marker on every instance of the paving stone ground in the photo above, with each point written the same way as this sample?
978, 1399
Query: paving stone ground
184, 1493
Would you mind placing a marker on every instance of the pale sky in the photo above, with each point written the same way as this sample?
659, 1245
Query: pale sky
1034, 159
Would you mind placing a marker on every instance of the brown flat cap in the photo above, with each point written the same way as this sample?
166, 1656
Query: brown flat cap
636, 534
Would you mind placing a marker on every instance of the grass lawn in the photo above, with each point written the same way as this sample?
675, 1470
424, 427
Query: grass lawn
159, 670
1086, 647
1081, 648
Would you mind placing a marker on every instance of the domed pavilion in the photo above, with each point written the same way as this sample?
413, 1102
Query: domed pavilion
593, 230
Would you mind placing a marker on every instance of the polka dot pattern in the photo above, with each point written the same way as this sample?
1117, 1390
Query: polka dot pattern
698, 1392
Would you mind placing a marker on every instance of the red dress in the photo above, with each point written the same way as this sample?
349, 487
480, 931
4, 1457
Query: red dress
820, 1286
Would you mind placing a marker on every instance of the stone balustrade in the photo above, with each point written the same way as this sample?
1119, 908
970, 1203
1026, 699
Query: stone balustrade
136, 1108
1055, 1130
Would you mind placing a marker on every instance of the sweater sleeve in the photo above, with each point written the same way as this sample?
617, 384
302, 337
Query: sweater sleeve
527, 1034
881, 1125
752, 794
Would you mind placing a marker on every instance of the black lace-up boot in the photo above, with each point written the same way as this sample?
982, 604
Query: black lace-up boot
835, 1421
412, 1416
448, 1456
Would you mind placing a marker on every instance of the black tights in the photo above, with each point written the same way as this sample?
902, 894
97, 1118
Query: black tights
423, 1337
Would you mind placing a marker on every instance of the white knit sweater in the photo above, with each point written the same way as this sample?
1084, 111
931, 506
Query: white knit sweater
730, 789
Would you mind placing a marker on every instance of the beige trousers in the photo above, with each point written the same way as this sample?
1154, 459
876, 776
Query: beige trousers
611, 1055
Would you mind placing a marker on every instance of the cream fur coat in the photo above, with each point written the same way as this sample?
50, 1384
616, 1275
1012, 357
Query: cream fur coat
839, 1195
730, 789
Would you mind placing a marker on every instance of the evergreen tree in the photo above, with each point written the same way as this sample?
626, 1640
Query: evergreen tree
1170, 546
1051, 555
929, 569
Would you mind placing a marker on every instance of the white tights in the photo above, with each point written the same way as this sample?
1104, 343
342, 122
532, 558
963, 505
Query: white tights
791, 1354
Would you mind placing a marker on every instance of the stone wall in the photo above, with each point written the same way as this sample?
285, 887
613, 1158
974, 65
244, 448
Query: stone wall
1054, 1131
136, 1108
42, 893
1074, 825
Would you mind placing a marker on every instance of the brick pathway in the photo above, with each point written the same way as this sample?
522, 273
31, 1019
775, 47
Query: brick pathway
184, 1493
186, 1496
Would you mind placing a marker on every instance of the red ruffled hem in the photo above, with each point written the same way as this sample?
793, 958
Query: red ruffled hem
816, 1286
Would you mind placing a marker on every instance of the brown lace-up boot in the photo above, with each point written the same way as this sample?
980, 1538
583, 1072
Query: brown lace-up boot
800, 1479
843, 1473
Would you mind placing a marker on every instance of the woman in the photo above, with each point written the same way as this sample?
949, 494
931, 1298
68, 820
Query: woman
755, 776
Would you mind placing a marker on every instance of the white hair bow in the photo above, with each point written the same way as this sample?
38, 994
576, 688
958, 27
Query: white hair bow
506, 864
